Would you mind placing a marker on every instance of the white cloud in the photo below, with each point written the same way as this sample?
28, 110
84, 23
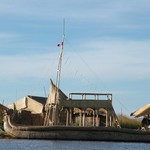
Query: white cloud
20, 66
97, 11
4, 35
111, 60
108, 59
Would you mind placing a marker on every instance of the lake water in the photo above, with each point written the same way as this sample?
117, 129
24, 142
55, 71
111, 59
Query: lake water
7, 144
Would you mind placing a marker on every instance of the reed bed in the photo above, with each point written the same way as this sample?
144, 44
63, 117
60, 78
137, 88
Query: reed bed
127, 122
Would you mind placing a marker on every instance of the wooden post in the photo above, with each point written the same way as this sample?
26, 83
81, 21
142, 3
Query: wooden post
106, 119
70, 116
110, 121
80, 123
83, 118
97, 118
67, 119
93, 118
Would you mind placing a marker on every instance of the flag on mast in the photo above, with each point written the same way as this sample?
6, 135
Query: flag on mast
60, 44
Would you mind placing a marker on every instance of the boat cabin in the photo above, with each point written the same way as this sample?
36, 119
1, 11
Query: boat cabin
78, 109
88, 109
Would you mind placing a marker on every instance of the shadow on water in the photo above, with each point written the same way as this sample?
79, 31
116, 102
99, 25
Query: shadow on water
13, 144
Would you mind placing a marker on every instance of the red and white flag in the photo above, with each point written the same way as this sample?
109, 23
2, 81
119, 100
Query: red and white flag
60, 44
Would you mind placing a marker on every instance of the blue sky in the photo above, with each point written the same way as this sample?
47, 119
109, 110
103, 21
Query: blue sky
107, 49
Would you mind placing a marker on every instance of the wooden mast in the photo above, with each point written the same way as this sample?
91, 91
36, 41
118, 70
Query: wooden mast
52, 109
56, 108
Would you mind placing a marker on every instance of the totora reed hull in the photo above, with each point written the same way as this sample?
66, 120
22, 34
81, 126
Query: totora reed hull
75, 133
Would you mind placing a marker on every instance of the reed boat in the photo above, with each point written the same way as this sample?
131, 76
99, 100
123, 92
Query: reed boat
79, 116
75, 133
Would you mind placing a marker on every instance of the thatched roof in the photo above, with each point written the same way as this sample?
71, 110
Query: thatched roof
30, 103
143, 111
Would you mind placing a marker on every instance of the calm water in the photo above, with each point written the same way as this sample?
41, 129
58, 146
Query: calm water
69, 145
